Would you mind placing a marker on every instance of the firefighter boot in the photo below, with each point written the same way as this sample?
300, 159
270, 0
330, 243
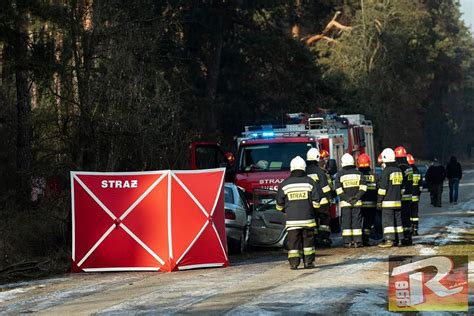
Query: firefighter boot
294, 257
415, 228
407, 240
365, 240
386, 244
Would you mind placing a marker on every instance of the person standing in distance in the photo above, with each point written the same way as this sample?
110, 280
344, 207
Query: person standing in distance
297, 196
454, 175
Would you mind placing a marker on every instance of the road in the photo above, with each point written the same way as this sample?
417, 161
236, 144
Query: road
258, 282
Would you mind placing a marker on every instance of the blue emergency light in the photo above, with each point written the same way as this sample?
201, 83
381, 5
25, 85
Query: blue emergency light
266, 134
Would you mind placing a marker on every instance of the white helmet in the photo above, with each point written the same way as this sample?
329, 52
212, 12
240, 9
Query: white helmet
312, 155
388, 155
297, 163
347, 160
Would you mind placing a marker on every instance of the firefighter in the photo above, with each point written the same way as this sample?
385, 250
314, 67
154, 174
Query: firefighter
378, 228
389, 199
313, 170
297, 196
350, 187
415, 200
407, 188
324, 159
369, 199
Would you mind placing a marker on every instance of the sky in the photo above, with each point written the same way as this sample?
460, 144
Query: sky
467, 9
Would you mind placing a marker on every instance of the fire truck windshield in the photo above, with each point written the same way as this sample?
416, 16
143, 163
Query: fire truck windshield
271, 156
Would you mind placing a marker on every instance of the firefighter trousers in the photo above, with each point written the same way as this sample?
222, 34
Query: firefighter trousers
406, 221
324, 221
351, 222
392, 224
414, 215
301, 240
368, 217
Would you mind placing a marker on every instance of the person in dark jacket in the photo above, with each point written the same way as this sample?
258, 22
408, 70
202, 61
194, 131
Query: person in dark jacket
454, 175
369, 199
415, 194
434, 178
315, 172
407, 192
389, 199
350, 187
298, 196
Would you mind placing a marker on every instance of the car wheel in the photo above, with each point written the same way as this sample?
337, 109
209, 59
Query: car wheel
242, 244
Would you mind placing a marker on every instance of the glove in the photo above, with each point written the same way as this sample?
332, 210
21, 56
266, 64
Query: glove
352, 200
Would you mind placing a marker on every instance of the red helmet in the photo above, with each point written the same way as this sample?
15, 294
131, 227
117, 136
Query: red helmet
323, 153
411, 160
379, 159
363, 161
400, 152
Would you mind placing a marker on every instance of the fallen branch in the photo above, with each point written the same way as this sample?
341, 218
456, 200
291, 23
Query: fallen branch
332, 24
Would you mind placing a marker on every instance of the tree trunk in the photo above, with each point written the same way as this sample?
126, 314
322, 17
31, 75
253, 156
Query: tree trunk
82, 32
23, 102
215, 60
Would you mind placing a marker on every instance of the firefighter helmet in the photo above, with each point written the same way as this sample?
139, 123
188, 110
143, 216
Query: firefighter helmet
313, 155
379, 159
323, 153
347, 160
388, 155
411, 160
297, 163
400, 152
363, 161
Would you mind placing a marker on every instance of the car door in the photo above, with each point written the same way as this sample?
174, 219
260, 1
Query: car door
267, 224
207, 155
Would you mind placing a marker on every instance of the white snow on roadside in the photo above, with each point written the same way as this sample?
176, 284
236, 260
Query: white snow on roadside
8, 295
427, 251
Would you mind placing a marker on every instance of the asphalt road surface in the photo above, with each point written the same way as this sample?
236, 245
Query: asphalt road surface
258, 282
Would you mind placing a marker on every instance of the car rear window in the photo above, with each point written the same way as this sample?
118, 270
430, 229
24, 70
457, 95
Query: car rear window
228, 195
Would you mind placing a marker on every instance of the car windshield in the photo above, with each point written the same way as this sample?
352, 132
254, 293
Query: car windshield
270, 157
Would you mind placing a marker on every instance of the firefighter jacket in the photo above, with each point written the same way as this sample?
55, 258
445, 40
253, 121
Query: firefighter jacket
369, 199
416, 190
319, 176
389, 194
407, 185
297, 196
350, 187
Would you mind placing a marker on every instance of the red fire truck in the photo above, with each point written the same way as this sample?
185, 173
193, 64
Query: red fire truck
263, 160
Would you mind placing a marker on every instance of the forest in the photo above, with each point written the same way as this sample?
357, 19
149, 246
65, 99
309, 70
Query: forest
110, 85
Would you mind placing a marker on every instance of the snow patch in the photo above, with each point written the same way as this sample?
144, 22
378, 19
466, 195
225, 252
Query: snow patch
8, 295
427, 251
